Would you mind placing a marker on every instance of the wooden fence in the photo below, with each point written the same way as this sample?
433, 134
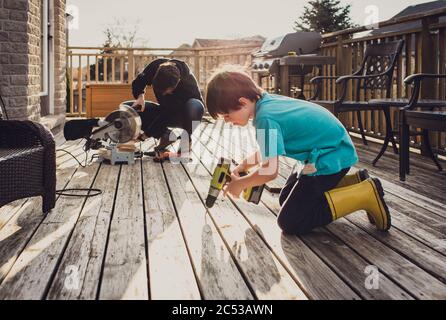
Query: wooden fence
424, 51
91, 65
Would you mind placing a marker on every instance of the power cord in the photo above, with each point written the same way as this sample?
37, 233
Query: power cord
89, 192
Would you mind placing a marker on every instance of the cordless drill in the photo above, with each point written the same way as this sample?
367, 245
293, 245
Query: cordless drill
221, 176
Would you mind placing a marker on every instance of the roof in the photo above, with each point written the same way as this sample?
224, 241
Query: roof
419, 8
210, 43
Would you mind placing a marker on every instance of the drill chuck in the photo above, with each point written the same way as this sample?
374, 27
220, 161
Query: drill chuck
212, 196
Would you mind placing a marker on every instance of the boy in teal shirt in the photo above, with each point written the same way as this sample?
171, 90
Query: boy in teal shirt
304, 131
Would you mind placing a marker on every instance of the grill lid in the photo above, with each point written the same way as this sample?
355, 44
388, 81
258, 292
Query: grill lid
299, 42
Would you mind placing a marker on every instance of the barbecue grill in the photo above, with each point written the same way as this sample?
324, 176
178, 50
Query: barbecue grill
289, 56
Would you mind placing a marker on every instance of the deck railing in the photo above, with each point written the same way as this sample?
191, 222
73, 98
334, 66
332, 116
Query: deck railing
88, 65
424, 51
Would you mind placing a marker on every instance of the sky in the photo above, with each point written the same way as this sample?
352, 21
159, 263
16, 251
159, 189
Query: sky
174, 22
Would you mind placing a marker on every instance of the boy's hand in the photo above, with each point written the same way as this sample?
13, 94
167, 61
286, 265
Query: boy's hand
237, 170
234, 187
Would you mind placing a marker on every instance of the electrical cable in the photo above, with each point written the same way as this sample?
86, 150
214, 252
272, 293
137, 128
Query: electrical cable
89, 192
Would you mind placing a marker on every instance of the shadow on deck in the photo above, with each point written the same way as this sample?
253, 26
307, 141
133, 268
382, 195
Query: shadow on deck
149, 236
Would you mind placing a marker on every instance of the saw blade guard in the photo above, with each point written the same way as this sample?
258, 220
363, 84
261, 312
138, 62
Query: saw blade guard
127, 124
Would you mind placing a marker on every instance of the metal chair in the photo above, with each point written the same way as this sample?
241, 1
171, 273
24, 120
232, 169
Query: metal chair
375, 73
422, 118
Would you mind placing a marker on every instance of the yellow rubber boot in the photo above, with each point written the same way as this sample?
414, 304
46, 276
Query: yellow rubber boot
354, 178
367, 195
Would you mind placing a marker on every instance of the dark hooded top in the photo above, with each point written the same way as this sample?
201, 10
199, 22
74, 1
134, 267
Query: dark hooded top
187, 87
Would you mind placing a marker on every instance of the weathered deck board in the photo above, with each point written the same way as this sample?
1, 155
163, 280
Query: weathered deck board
22, 223
414, 279
149, 235
432, 181
301, 264
34, 267
125, 273
427, 236
9, 210
420, 254
170, 269
267, 276
83, 257
217, 274
345, 265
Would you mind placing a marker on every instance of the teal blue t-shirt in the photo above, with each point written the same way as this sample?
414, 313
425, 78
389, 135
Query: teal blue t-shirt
303, 131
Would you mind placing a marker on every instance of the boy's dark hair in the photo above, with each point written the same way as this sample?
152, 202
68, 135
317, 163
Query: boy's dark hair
226, 88
167, 76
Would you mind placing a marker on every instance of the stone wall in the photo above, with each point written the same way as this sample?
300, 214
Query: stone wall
20, 57
60, 57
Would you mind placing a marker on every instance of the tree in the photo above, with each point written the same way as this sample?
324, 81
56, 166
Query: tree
324, 16
118, 34
124, 34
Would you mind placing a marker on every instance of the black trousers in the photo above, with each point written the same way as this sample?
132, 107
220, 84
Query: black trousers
157, 118
304, 206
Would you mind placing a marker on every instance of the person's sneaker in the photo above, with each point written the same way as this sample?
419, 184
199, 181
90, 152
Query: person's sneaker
162, 146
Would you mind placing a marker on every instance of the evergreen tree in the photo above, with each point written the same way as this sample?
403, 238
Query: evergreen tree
324, 16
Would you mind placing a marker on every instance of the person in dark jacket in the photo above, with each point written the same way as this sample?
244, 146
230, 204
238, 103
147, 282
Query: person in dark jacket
180, 103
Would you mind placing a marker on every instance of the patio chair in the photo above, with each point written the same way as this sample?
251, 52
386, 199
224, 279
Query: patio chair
27, 161
425, 118
375, 73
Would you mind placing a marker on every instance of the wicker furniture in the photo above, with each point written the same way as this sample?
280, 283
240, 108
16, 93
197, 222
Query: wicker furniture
27, 162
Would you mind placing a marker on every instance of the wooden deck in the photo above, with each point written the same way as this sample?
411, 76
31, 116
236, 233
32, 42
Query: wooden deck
149, 236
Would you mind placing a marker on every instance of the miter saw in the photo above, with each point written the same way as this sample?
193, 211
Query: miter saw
118, 128
115, 137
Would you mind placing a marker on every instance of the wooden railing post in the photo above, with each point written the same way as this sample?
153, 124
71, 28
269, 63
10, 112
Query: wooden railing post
71, 83
131, 59
79, 87
197, 65
429, 64
342, 61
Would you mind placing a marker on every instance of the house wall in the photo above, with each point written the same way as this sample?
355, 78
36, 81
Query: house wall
60, 57
20, 43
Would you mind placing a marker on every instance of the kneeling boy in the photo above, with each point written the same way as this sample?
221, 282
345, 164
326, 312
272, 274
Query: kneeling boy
304, 131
